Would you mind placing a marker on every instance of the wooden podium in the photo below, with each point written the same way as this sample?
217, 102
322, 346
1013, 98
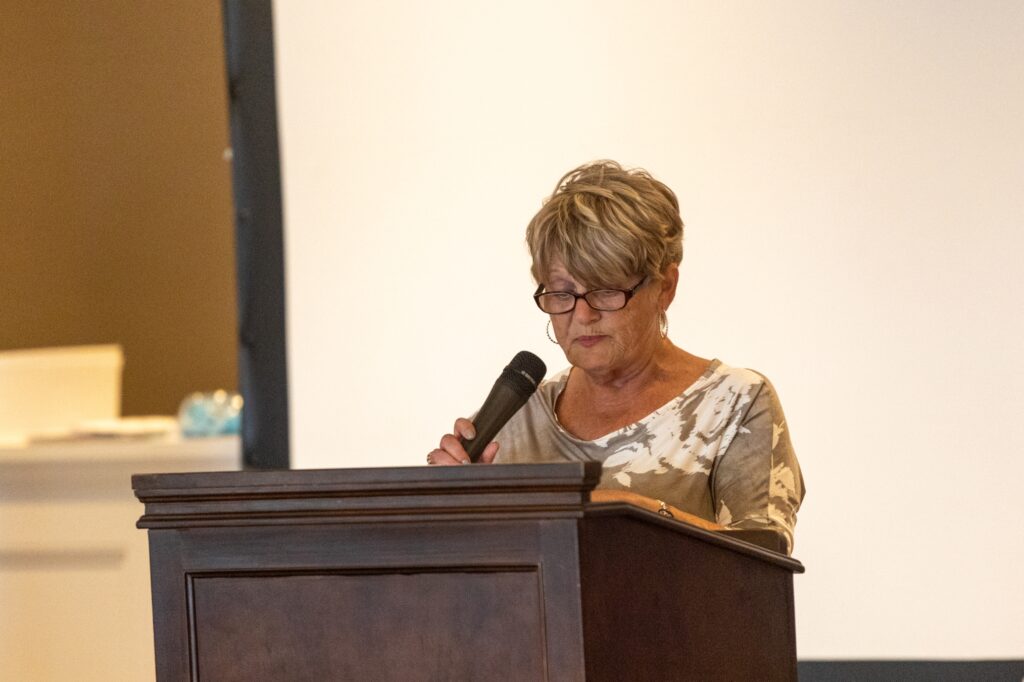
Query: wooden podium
502, 572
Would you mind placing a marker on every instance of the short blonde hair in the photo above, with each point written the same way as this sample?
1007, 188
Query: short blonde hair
607, 225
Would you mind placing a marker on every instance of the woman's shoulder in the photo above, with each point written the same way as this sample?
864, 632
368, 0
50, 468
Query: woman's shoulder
747, 390
720, 376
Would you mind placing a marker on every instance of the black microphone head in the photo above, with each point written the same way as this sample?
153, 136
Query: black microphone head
529, 367
527, 362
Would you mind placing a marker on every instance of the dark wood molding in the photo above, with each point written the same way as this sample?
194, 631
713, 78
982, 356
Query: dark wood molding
364, 495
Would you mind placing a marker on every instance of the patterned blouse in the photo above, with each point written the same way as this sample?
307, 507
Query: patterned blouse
719, 450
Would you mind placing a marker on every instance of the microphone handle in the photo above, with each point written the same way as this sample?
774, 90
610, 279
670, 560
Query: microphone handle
501, 403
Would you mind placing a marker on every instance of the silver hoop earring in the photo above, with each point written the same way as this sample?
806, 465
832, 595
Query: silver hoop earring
663, 325
551, 336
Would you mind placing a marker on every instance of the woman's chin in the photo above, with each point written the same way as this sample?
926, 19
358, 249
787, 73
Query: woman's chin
594, 358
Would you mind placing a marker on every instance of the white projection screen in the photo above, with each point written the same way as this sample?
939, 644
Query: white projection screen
850, 174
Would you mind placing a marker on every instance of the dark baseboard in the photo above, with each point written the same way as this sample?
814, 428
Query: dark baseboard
912, 671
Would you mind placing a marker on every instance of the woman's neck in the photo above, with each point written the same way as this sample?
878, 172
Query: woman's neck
592, 405
666, 365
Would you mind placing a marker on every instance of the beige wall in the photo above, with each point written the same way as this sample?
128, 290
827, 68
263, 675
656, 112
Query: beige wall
115, 205
850, 174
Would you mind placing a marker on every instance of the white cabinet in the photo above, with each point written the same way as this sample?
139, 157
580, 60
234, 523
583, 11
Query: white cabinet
74, 570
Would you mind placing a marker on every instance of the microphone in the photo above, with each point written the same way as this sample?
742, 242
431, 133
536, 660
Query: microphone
513, 388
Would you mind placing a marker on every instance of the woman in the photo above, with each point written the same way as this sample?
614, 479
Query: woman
676, 433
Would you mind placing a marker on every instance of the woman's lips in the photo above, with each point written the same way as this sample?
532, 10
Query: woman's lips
588, 341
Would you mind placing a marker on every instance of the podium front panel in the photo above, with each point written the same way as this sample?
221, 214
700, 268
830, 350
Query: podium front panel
460, 600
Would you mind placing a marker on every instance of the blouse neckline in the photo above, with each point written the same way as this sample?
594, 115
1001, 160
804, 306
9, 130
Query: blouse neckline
562, 378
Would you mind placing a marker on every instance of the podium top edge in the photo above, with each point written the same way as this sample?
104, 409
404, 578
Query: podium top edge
730, 539
583, 475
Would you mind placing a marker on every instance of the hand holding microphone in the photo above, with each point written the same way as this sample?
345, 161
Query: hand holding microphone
451, 450
471, 441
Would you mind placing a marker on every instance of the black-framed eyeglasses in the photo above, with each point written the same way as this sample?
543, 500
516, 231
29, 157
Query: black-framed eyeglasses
605, 300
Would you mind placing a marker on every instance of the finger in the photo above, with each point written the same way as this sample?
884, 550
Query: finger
489, 453
442, 458
451, 445
465, 429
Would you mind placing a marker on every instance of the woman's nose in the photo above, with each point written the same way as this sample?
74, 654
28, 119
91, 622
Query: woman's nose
584, 313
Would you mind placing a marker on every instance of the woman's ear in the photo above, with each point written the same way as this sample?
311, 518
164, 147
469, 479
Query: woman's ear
669, 282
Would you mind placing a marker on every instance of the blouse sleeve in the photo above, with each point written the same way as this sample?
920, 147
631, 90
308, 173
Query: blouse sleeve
757, 483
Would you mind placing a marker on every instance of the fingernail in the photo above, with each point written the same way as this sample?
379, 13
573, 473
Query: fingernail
465, 461
470, 433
